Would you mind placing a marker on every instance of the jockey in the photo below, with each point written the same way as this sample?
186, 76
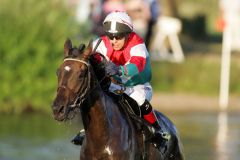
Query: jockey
129, 63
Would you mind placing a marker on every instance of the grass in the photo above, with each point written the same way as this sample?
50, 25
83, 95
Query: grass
198, 74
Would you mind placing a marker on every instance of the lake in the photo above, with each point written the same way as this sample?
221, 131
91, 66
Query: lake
205, 136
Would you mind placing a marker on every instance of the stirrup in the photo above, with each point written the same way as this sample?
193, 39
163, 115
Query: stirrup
166, 135
78, 139
160, 140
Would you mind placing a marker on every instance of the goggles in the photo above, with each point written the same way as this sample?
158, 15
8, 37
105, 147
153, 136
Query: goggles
116, 36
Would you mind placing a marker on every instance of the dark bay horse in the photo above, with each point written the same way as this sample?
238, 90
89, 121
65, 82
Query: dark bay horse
110, 133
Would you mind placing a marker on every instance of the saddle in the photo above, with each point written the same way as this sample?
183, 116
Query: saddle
132, 110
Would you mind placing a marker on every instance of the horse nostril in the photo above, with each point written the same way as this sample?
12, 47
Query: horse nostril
54, 109
61, 109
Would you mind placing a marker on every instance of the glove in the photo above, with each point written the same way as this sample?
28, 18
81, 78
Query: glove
96, 58
112, 69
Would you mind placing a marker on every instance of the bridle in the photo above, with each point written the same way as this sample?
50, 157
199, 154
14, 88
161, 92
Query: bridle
80, 97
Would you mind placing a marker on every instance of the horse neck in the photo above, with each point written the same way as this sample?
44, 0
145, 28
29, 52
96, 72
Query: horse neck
95, 117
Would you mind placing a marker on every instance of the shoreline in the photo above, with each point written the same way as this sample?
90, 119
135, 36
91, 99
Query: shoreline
167, 102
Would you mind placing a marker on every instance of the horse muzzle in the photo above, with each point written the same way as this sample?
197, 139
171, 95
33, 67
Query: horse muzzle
59, 112
59, 109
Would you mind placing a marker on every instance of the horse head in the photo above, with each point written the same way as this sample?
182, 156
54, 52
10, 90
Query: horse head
73, 80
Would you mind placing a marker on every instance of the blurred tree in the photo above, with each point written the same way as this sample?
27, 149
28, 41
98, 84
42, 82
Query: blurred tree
31, 43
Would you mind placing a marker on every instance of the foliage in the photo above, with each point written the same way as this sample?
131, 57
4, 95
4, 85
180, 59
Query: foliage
193, 9
198, 74
31, 43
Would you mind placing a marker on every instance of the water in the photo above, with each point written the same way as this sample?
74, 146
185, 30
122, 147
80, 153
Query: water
36, 137
205, 136
209, 136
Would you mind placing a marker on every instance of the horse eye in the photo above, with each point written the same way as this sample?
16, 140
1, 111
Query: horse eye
82, 74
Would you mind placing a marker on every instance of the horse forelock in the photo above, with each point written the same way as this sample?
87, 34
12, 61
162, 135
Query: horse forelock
74, 53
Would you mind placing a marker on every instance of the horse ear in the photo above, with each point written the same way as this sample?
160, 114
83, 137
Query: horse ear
67, 47
88, 51
89, 47
81, 47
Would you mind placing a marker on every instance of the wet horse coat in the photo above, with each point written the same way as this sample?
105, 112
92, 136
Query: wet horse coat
110, 133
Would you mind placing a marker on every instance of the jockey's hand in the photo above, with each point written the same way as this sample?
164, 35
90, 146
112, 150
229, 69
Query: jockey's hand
112, 69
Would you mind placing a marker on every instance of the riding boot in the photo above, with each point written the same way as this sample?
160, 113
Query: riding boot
78, 139
160, 137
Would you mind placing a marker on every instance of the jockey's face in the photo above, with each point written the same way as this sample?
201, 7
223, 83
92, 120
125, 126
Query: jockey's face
117, 42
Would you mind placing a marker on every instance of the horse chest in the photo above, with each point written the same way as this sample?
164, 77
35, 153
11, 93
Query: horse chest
114, 149
106, 153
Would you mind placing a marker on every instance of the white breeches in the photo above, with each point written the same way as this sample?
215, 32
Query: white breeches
139, 93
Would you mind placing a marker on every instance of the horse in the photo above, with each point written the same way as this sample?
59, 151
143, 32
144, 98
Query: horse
110, 134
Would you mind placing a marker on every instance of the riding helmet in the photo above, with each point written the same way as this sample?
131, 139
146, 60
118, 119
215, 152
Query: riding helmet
118, 22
